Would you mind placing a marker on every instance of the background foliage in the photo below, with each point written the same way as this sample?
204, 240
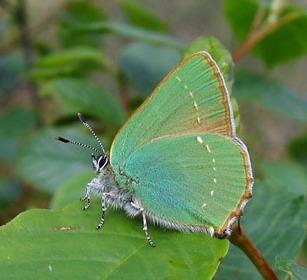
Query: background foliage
102, 58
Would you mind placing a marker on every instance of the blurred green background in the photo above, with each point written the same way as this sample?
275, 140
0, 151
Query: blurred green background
102, 58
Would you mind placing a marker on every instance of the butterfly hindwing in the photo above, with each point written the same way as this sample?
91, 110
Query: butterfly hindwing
192, 180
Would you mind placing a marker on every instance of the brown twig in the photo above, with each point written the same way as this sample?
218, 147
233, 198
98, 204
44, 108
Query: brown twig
257, 35
258, 19
240, 239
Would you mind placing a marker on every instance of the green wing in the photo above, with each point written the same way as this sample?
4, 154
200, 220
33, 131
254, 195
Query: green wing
193, 180
191, 98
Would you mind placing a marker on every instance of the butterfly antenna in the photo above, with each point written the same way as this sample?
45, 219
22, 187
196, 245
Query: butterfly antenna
76, 143
82, 119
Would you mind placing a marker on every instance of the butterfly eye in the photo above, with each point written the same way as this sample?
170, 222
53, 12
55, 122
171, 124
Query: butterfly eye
102, 161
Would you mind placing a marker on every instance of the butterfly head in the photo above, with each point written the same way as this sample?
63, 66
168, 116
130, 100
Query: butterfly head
99, 162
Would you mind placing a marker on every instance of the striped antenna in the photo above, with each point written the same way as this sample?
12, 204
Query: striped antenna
76, 143
82, 119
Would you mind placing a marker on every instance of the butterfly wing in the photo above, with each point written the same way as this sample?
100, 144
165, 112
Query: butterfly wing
178, 153
191, 98
192, 180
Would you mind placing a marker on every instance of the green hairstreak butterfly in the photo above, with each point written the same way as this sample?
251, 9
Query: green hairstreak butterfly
177, 161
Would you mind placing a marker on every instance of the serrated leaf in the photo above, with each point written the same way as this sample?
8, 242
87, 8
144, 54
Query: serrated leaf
71, 190
131, 32
45, 243
294, 270
275, 221
145, 65
86, 97
139, 15
259, 89
47, 163
273, 48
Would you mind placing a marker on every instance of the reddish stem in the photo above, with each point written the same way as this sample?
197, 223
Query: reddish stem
257, 35
240, 239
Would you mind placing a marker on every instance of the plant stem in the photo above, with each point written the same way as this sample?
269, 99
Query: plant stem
240, 239
257, 35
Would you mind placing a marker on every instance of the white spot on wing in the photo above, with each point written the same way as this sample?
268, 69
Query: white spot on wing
195, 105
208, 149
199, 139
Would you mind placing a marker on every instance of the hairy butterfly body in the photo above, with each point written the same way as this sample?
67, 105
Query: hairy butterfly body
177, 161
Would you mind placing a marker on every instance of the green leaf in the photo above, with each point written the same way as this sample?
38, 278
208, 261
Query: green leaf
290, 176
275, 220
45, 243
49, 164
298, 149
72, 190
14, 124
76, 13
139, 15
75, 60
273, 48
259, 89
88, 98
145, 65
131, 32
294, 270
64, 57
241, 22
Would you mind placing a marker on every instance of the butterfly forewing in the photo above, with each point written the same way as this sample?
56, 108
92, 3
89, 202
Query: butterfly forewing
191, 98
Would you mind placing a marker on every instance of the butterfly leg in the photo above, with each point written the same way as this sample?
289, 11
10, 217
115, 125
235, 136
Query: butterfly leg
138, 209
87, 197
153, 244
103, 209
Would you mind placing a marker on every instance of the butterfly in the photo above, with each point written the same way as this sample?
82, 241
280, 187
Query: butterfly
177, 161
